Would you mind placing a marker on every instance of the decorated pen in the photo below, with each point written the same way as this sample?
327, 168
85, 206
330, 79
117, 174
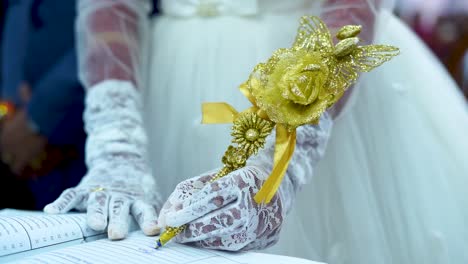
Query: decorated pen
293, 88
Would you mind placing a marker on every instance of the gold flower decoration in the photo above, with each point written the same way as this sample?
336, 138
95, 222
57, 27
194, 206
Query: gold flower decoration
250, 131
296, 85
289, 87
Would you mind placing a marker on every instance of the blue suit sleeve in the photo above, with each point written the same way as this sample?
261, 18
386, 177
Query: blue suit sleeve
57, 102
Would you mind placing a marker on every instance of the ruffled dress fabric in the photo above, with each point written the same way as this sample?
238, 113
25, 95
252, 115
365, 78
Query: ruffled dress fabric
391, 187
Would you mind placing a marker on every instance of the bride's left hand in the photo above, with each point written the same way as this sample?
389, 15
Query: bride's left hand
223, 214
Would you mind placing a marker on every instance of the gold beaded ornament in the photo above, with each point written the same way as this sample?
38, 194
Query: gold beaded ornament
293, 88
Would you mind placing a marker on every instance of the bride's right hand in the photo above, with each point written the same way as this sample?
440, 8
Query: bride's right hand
119, 181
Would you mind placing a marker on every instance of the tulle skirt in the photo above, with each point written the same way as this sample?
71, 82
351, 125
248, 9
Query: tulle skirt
392, 185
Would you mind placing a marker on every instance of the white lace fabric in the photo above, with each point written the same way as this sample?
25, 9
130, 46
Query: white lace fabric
224, 215
117, 164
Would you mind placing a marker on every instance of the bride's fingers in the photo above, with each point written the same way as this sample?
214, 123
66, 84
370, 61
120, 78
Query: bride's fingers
208, 199
119, 217
225, 222
67, 201
183, 194
146, 217
83, 205
97, 210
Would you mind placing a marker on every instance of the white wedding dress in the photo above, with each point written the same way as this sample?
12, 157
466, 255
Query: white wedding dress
391, 187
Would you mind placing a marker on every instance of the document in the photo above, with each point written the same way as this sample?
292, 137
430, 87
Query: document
27, 234
35, 237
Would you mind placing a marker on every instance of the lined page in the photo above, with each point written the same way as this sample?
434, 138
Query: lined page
26, 232
139, 249
13, 237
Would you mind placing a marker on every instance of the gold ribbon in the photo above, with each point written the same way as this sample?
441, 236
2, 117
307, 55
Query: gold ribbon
222, 113
218, 113
284, 149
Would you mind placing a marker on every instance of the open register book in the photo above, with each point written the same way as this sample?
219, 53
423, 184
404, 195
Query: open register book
41, 238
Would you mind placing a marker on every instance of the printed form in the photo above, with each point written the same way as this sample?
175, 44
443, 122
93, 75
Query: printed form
20, 233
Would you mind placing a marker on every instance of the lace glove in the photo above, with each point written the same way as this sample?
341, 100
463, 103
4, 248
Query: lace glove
223, 214
119, 181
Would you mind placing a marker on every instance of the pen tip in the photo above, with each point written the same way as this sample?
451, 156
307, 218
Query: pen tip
158, 244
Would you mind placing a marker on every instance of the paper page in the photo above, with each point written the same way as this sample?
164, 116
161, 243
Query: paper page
13, 237
139, 249
26, 232
17, 212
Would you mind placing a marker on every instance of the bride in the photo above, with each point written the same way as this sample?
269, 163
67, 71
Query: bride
389, 189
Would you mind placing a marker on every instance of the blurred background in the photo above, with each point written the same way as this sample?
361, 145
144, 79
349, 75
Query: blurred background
41, 100
443, 25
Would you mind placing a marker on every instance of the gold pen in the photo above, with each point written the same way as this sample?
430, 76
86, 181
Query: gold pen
293, 88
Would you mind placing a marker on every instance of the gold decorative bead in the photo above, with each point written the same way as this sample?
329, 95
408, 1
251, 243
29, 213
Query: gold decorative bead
348, 31
251, 134
345, 46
